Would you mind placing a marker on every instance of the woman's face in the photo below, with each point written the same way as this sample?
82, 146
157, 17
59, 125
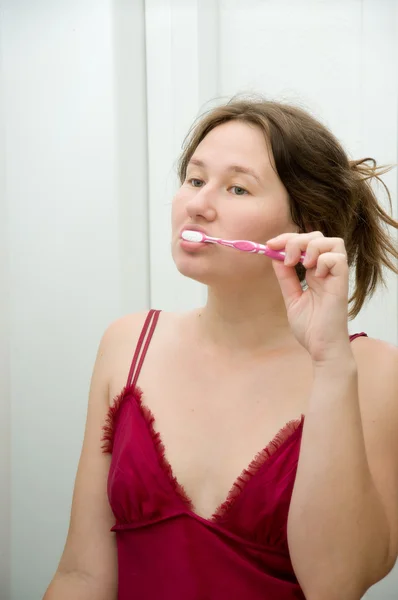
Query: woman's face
231, 191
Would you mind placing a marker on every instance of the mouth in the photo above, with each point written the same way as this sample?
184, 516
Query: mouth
193, 228
193, 247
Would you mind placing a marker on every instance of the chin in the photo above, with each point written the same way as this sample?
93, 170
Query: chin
195, 266
213, 271
207, 273
195, 269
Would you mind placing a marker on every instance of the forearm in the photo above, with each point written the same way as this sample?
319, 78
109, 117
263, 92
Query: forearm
78, 586
336, 517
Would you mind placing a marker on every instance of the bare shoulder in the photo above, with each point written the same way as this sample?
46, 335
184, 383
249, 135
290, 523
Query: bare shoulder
366, 347
123, 328
119, 342
126, 329
117, 347
377, 363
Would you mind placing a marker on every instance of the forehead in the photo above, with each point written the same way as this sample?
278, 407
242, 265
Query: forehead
235, 142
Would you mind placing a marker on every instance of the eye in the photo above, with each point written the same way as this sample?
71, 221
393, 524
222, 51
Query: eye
194, 181
240, 191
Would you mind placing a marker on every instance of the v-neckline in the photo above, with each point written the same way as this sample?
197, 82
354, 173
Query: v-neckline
260, 459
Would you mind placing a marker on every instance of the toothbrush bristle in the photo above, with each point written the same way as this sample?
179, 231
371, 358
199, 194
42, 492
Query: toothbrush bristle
192, 236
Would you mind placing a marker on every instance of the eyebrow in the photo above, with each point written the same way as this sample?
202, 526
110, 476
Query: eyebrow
233, 168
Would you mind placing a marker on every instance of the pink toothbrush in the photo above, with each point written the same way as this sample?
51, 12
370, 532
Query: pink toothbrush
244, 245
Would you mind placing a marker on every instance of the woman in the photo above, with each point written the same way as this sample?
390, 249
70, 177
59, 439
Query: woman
314, 514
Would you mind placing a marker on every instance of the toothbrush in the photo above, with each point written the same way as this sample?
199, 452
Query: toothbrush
244, 245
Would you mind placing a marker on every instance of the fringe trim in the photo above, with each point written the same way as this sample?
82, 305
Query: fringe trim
247, 474
161, 453
261, 457
108, 429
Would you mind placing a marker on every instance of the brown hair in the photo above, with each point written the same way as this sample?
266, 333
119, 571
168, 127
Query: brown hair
327, 191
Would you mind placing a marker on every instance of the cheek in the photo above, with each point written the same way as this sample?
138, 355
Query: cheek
266, 222
279, 221
177, 206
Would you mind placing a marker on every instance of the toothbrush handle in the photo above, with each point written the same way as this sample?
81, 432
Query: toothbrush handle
279, 255
255, 248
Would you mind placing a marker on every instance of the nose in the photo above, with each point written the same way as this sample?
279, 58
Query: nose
202, 205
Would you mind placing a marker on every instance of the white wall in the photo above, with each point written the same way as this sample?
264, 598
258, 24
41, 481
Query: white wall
4, 357
85, 82
75, 115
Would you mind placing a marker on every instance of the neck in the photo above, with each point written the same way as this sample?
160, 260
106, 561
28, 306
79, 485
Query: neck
245, 318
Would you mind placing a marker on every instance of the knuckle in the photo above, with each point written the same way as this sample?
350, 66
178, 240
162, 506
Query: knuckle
290, 244
339, 242
312, 244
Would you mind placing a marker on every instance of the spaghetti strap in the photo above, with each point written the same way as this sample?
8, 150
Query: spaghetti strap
354, 336
137, 362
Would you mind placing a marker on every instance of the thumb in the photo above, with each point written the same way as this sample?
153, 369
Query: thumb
288, 282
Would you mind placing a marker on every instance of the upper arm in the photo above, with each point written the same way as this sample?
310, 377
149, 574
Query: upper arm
378, 393
90, 547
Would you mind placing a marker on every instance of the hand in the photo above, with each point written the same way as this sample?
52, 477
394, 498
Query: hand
318, 315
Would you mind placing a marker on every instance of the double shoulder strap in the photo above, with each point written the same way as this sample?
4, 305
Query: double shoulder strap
142, 346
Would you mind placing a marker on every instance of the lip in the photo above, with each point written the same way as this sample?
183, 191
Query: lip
193, 247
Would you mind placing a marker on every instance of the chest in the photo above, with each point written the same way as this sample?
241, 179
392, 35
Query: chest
214, 417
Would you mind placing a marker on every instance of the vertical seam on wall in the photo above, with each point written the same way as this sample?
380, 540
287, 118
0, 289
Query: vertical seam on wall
394, 208
147, 207
5, 551
218, 46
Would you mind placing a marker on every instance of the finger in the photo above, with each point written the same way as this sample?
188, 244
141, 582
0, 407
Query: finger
280, 241
333, 263
288, 281
318, 246
296, 245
